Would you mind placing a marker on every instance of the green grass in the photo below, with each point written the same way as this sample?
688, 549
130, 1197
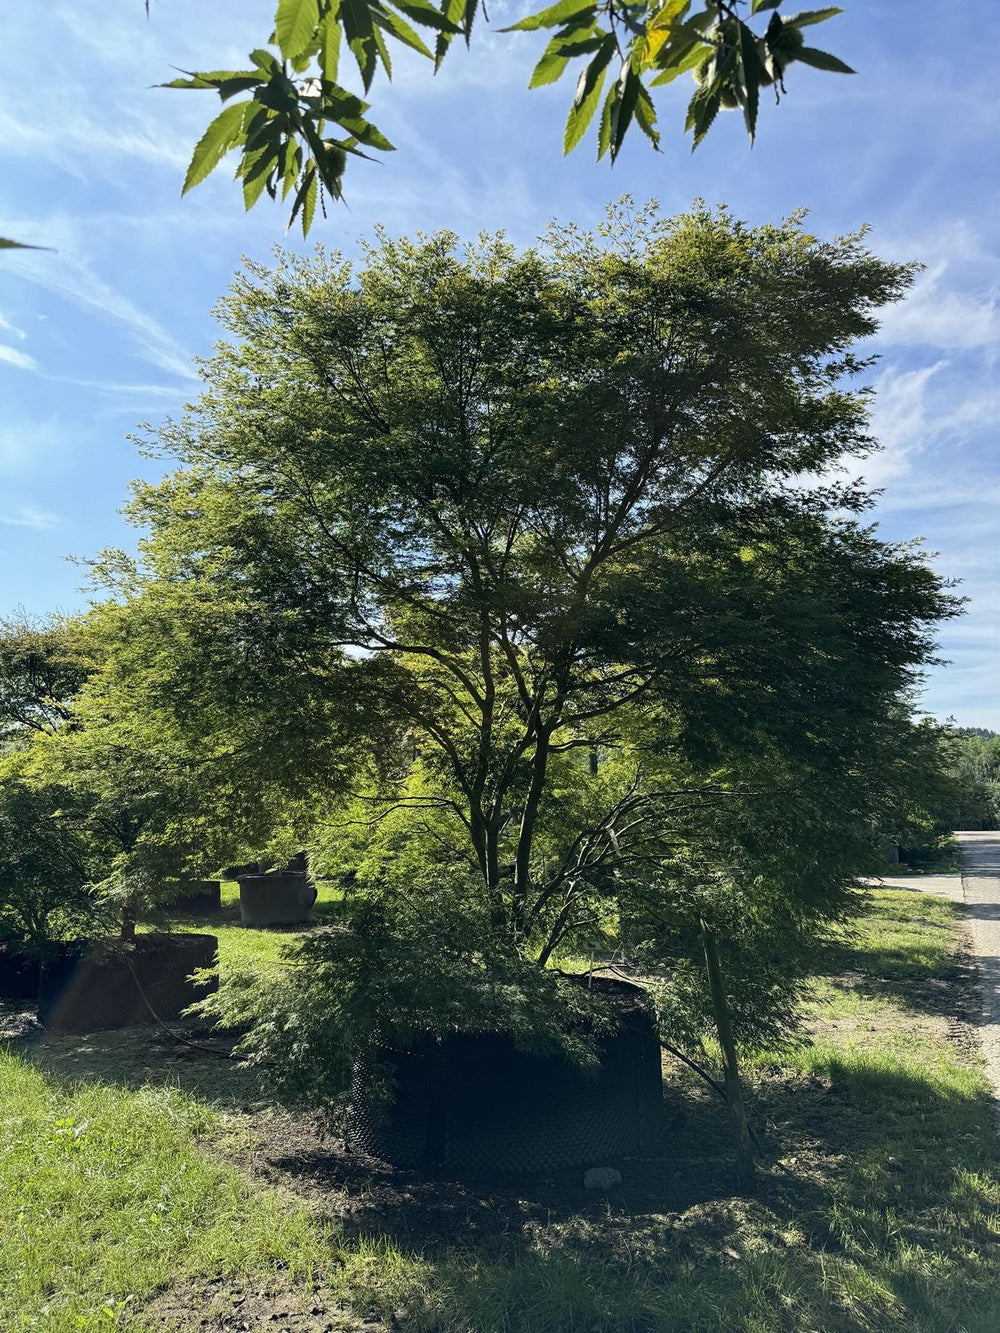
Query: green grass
244, 948
104, 1194
878, 1210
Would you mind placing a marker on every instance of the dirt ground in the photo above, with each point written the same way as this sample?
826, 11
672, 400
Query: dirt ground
683, 1180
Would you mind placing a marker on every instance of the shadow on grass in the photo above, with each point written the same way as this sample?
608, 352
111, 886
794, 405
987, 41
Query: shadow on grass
884, 1217
136, 1057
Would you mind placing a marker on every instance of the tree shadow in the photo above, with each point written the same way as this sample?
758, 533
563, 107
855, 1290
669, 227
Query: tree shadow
866, 1165
137, 1057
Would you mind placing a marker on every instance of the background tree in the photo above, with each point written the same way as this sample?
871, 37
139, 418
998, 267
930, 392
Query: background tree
45, 865
511, 560
972, 760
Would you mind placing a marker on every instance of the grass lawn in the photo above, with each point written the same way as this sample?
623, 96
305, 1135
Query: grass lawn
144, 1186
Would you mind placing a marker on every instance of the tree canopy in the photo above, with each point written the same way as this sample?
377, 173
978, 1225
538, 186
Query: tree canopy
513, 568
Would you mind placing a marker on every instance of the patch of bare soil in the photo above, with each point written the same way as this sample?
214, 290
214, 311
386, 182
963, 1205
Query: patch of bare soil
685, 1162
220, 1305
960, 997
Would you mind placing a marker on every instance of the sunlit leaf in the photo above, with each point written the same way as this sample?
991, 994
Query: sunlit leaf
553, 16
295, 23
225, 131
588, 94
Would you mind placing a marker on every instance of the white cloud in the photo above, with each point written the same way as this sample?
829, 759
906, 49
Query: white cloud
86, 146
15, 358
73, 278
7, 327
941, 315
898, 421
29, 516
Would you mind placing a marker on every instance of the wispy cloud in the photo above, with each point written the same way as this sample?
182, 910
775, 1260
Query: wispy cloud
75, 279
15, 358
7, 327
29, 516
940, 315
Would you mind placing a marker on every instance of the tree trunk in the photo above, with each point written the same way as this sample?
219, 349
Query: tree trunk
128, 919
734, 1092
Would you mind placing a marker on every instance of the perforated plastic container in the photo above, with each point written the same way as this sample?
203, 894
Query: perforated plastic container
473, 1103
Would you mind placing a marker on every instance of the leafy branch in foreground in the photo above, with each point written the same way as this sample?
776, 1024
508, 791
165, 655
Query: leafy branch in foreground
298, 126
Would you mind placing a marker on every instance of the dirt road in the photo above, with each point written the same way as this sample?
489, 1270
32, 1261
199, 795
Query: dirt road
981, 894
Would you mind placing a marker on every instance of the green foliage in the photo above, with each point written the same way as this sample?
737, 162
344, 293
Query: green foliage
85, 809
281, 129
971, 758
502, 571
44, 872
42, 665
410, 964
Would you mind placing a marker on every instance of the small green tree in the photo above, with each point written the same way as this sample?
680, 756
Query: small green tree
512, 556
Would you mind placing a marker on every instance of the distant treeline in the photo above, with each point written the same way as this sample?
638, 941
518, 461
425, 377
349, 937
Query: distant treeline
973, 762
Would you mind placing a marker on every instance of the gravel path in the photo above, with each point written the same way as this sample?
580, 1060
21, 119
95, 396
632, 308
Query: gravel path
981, 888
977, 888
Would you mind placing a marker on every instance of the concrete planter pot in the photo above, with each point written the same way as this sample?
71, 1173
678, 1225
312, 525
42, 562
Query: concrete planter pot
19, 973
284, 898
201, 897
94, 985
473, 1103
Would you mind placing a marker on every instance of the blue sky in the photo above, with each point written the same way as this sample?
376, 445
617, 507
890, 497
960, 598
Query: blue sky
100, 335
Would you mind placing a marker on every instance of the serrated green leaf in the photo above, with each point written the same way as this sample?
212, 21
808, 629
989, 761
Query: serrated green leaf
588, 94
455, 11
553, 16
809, 16
623, 110
422, 12
265, 60
820, 60
224, 133
309, 203
752, 74
702, 110
661, 27
758, 6
236, 80
402, 31
305, 199
645, 116
295, 24
254, 170
560, 50
604, 129
356, 18
548, 70
693, 58
329, 50
292, 170
380, 46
